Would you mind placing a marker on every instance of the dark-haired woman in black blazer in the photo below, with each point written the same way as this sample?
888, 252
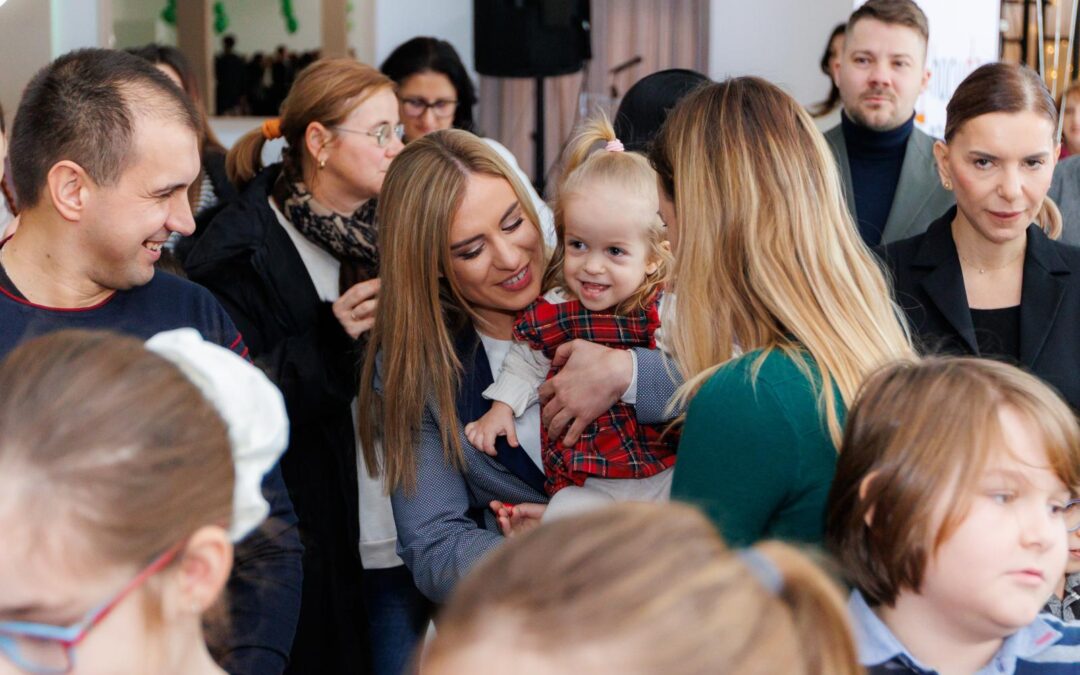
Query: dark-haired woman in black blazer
987, 278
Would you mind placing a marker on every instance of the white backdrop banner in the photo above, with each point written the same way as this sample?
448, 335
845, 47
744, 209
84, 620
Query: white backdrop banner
964, 34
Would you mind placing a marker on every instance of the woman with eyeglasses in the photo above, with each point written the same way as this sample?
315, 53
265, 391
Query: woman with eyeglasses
119, 527
435, 93
294, 261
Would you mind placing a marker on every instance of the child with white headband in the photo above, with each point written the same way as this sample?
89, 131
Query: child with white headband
127, 472
603, 284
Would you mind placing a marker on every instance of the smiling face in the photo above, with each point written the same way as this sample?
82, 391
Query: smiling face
607, 252
1001, 166
995, 571
355, 164
126, 224
881, 73
427, 87
496, 253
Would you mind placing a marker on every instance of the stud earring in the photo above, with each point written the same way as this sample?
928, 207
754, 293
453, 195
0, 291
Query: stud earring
947, 184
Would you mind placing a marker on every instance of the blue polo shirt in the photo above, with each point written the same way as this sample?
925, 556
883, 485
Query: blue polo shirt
1046, 646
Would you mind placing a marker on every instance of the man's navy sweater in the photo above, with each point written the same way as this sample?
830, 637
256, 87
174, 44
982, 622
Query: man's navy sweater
875, 158
263, 595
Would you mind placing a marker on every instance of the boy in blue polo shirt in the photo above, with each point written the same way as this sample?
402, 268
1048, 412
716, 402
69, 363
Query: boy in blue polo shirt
950, 514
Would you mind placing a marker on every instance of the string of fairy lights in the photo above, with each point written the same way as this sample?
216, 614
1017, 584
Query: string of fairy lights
1057, 54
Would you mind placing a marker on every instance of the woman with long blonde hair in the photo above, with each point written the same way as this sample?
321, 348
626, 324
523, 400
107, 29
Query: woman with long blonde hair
781, 309
458, 265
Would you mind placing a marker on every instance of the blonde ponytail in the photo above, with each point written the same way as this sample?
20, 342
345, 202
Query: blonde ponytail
816, 609
595, 130
650, 588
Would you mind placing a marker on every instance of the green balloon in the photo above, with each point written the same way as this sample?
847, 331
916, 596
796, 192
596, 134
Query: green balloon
291, 24
221, 19
168, 14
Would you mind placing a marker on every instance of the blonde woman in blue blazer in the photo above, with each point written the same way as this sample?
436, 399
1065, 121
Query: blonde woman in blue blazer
462, 254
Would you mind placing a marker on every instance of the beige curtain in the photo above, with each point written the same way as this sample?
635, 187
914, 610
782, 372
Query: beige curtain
664, 33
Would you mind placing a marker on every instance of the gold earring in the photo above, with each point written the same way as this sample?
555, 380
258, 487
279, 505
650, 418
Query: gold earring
322, 162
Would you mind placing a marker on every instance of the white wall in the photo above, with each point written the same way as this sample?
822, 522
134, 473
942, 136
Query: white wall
780, 40
75, 24
24, 47
398, 20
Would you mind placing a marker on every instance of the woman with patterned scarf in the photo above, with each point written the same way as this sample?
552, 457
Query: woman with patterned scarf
295, 263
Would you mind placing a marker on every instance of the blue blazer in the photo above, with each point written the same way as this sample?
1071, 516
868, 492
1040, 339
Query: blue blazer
445, 525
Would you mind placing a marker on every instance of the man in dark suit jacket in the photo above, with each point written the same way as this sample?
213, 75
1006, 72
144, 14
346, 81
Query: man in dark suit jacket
887, 165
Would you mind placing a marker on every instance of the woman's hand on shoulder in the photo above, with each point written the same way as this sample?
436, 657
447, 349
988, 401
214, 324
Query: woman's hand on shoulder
355, 309
591, 379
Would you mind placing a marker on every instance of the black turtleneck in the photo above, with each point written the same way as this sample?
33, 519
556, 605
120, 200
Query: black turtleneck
876, 158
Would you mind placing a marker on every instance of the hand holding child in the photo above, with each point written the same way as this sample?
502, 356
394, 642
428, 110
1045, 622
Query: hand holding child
499, 421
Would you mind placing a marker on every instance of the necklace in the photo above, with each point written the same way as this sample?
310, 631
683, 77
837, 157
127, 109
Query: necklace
983, 270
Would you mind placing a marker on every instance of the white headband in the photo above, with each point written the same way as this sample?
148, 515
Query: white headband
253, 410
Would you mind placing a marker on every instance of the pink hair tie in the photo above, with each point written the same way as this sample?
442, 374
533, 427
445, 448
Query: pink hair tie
614, 145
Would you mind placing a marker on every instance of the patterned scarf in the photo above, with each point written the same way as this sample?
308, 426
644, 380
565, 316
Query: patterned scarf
350, 239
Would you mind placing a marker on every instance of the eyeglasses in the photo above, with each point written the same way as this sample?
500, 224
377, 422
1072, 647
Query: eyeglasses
45, 649
1072, 515
415, 107
381, 133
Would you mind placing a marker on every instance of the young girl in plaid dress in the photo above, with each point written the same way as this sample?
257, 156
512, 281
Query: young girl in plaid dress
604, 285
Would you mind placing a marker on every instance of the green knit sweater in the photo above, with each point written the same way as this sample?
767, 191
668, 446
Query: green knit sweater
756, 455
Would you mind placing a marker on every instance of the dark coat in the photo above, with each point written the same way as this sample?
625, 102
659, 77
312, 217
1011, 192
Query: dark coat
929, 286
248, 261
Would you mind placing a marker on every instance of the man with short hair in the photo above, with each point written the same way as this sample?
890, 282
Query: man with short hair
103, 150
887, 165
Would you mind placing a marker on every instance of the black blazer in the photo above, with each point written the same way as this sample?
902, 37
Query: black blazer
929, 286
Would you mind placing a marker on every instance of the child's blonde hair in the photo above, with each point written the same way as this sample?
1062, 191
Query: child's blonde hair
915, 430
583, 170
650, 588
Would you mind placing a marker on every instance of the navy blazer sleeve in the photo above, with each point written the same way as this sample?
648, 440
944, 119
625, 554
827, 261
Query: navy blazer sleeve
438, 539
658, 378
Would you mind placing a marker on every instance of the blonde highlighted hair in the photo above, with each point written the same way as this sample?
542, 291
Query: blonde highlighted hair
648, 588
768, 256
325, 92
588, 170
420, 306
916, 431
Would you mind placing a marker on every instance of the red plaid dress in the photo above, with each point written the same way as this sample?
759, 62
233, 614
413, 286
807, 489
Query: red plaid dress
616, 445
